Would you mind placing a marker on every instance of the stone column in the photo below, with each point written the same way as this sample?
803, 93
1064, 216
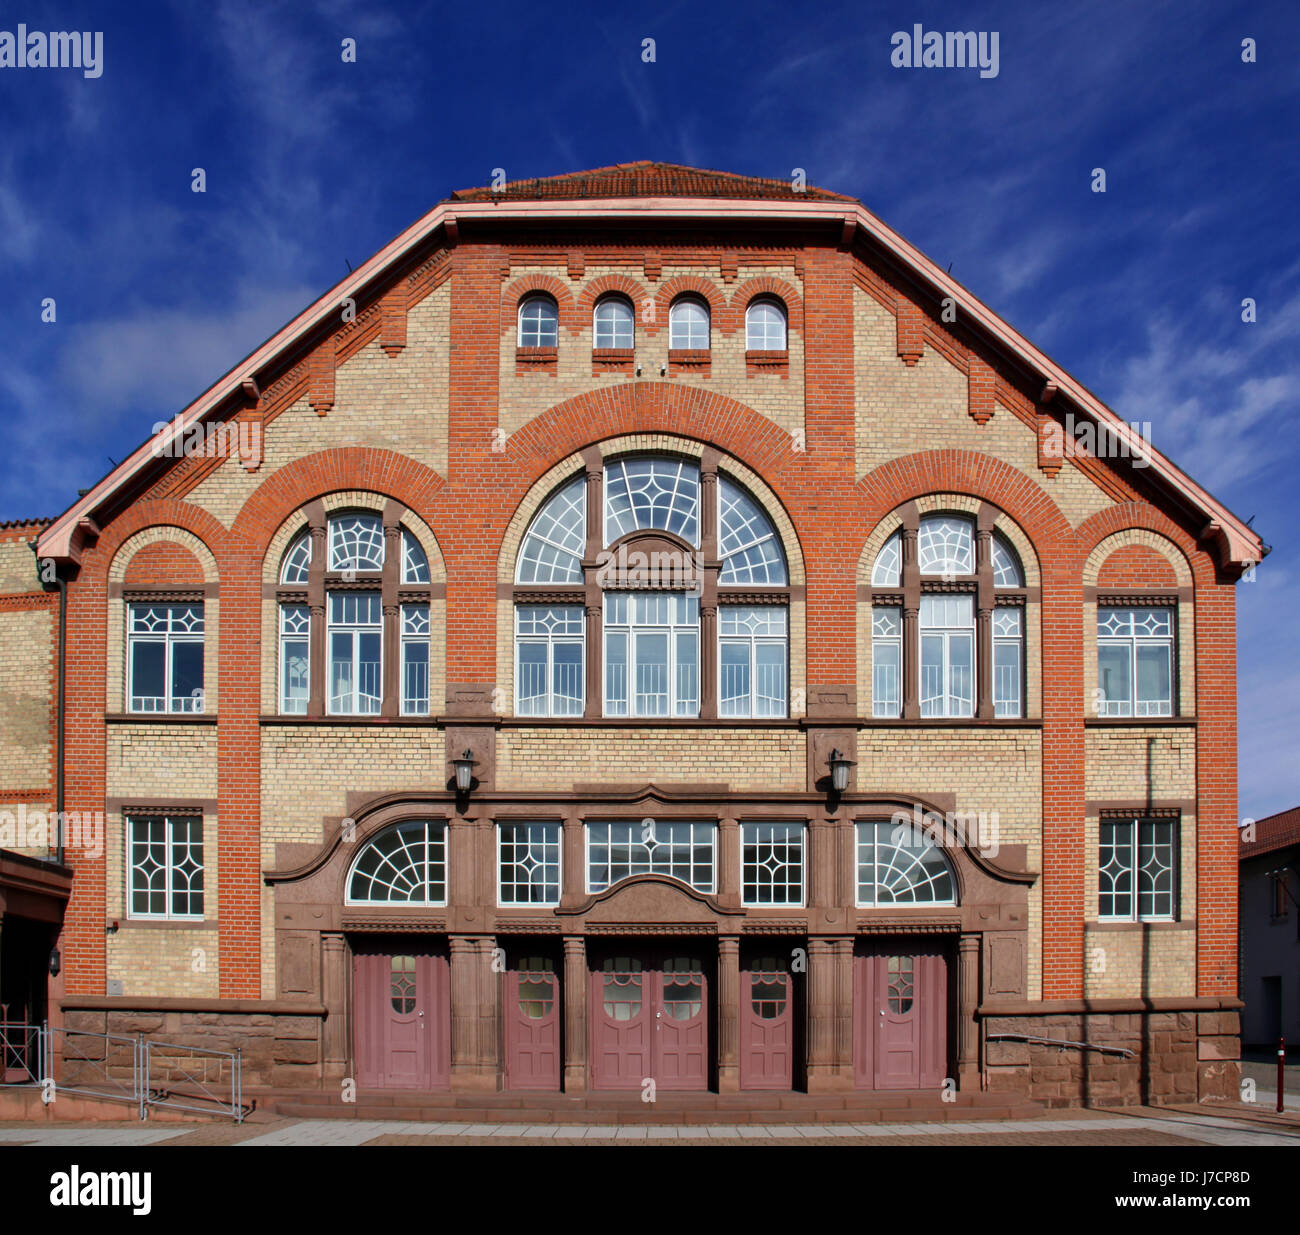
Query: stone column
465, 965
968, 997
576, 985
843, 949
334, 996
728, 862
728, 1014
822, 1072
573, 862
488, 1053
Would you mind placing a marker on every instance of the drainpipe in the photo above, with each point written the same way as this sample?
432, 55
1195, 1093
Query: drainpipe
62, 585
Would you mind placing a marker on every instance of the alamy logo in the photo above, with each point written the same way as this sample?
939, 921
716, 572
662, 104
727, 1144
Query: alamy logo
60, 49
945, 49
225, 440
122, 1188
1077, 439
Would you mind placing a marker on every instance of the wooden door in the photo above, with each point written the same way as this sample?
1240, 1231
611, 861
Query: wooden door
767, 1023
900, 1016
402, 1023
533, 1020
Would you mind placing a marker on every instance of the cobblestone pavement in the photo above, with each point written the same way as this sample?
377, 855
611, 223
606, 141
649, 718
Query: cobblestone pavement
1141, 1127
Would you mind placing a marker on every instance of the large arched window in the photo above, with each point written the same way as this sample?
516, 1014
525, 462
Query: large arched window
372, 619
614, 324
899, 865
539, 322
688, 324
765, 325
658, 649
960, 651
405, 864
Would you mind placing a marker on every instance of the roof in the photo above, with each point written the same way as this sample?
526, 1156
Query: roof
1280, 831
1233, 541
646, 179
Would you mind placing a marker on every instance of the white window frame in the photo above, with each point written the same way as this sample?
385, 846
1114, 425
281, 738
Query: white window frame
881, 707
1131, 706
754, 642
1134, 869
755, 320
801, 832
502, 824
603, 330
678, 310
948, 635
637, 826
355, 630
862, 902
1016, 642
550, 640
413, 639
287, 637
632, 631
169, 885
439, 825
536, 298
169, 639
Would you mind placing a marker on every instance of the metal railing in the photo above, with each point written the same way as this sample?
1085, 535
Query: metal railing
122, 1068
1062, 1043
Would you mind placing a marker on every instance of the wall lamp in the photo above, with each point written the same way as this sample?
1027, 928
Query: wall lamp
839, 765
464, 765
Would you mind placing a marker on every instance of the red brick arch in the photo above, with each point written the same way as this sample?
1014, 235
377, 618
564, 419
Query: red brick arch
748, 290
721, 316
1126, 516
514, 294
612, 283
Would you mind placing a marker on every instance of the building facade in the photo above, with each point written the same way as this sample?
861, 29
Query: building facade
1269, 901
654, 630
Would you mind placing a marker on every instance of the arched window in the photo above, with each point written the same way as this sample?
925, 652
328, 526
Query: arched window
614, 324
367, 624
539, 322
688, 324
405, 864
899, 865
961, 652
654, 657
765, 325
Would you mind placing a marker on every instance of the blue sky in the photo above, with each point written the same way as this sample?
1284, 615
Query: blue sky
312, 163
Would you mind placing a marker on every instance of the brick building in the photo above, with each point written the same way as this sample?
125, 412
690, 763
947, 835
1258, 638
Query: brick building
842, 698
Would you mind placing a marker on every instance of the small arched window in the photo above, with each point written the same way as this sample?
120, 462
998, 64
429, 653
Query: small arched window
765, 326
614, 324
688, 324
539, 322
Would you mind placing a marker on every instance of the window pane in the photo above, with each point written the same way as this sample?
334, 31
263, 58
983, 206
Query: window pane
568, 692
1115, 678
733, 669
961, 685
369, 673
689, 326
531, 688
886, 678
1154, 696
293, 658
1115, 869
613, 324
651, 674
148, 691
933, 694
616, 674
539, 323
688, 674
771, 686
187, 677
1006, 678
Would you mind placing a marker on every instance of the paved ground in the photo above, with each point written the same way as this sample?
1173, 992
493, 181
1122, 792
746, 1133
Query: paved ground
1140, 1126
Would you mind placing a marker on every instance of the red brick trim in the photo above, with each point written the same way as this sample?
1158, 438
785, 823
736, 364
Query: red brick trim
750, 289
514, 294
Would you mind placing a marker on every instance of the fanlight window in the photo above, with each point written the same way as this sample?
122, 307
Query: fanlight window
552, 549
415, 563
614, 323
659, 494
688, 325
405, 864
747, 541
356, 542
888, 570
539, 322
621, 988
899, 865
1006, 566
945, 545
297, 561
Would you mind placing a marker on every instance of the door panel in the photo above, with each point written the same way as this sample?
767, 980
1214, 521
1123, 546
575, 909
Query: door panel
402, 1023
767, 1021
649, 1020
900, 1016
533, 1020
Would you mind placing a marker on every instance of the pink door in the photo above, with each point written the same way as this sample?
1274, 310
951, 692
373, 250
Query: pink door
900, 1017
767, 1020
649, 1021
532, 1016
403, 1018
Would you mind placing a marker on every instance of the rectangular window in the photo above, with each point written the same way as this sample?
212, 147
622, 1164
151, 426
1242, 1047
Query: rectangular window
752, 654
529, 864
165, 658
1136, 870
771, 864
166, 866
1135, 652
415, 660
295, 658
1008, 659
355, 638
652, 654
549, 660
886, 661
947, 634
650, 847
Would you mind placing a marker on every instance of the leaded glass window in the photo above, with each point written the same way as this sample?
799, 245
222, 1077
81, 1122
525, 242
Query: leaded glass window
888, 570
651, 493
552, 550
899, 865
295, 658
404, 864
621, 979
1006, 566
771, 863
297, 561
886, 661
617, 851
529, 864
1008, 661
415, 562
166, 866
356, 542
945, 545
415, 660
536, 986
